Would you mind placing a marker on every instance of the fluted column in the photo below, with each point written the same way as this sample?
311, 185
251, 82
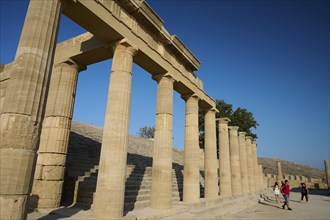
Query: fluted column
161, 188
255, 165
327, 172
243, 162
261, 177
54, 138
110, 189
191, 191
279, 171
211, 189
250, 164
236, 185
24, 106
224, 158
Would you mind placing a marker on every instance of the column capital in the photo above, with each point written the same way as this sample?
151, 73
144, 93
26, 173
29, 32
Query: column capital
188, 95
254, 142
126, 46
241, 133
211, 109
223, 120
80, 67
160, 76
233, 128
248, 137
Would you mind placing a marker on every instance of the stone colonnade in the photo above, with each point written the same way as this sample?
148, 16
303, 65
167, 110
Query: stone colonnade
239, 171
25, 110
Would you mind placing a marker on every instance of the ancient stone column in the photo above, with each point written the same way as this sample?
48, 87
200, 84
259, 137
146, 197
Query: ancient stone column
250, 164
243, 162
261, 177
161, 188
24, 106
191, 191
255, 165
110, 189
211, 189
224, 158
279, 171
54, 139
236, 185
327, 172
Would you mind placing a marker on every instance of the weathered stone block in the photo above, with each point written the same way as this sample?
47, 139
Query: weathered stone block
13, 207
51, 159
47, 189
16, 171
53, 173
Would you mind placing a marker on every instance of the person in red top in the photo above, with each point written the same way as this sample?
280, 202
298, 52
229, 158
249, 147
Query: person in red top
286, 194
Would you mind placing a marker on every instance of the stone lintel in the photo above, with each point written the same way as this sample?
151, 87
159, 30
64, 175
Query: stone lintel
85, 49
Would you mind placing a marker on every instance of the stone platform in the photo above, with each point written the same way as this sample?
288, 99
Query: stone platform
241, 207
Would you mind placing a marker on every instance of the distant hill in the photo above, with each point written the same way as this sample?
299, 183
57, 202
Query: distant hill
81, 132
290, 168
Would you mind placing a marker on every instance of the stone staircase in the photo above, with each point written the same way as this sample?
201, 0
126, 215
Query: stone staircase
137, 190
82, 169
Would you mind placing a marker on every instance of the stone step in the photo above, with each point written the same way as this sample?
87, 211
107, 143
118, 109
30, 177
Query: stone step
175, 192
130, 201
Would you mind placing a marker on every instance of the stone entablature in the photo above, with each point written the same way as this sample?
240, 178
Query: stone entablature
158, 51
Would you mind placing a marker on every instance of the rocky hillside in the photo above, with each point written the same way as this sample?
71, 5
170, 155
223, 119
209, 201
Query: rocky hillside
89, 137
290, 168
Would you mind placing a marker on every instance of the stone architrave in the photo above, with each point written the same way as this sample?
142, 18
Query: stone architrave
243, 162
250, 164
161, 188
191, 191
224, 158
54, 138
279, 171
110, 189
235, 168
211, 189
24, 106
255, 165
327, 172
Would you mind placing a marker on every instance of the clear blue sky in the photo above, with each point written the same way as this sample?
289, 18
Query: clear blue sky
270, 57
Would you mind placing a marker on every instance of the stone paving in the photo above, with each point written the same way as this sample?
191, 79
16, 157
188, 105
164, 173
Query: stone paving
318, 208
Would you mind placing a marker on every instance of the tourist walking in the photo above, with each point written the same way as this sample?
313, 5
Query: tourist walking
286, 194
304, 192
276, 190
